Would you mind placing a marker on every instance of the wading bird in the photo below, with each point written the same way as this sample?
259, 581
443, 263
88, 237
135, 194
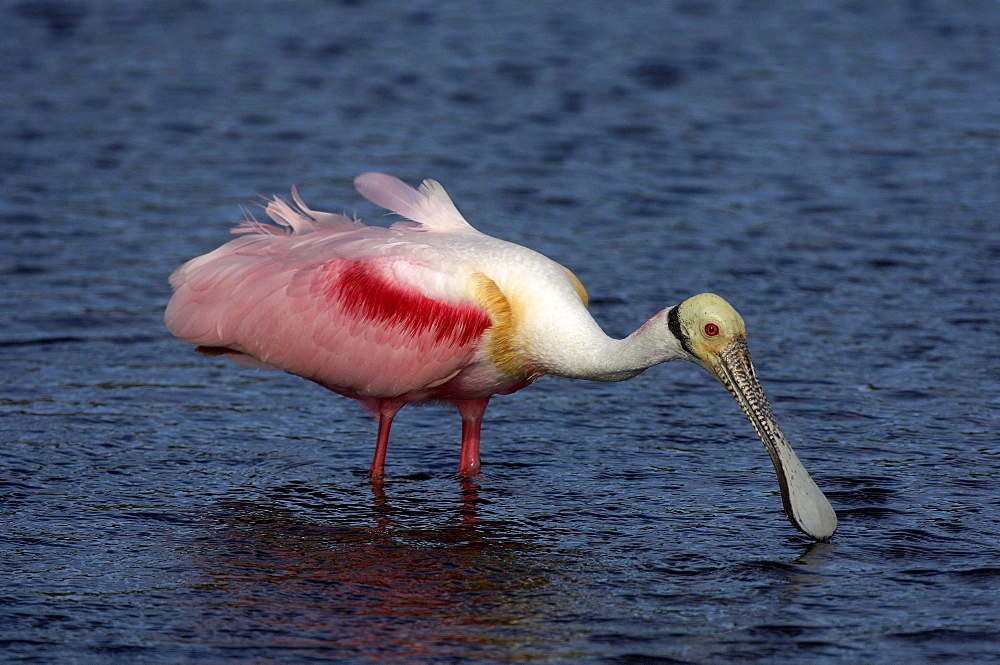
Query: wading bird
430, 309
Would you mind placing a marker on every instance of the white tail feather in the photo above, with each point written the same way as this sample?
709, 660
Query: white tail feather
431, 207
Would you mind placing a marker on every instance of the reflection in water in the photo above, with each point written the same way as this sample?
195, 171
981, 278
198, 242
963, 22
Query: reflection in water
812, 568
318, 578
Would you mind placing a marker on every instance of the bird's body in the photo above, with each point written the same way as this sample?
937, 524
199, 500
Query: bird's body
427, 310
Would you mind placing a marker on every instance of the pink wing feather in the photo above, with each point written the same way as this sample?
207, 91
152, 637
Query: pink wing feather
347, 305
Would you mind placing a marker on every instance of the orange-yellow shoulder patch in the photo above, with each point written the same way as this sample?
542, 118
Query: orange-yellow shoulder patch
580, 291
503, 349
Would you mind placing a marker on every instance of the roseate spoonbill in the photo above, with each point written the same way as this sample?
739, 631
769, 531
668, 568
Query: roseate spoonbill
430, 309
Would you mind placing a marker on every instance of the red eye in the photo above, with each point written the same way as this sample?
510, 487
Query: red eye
711, 329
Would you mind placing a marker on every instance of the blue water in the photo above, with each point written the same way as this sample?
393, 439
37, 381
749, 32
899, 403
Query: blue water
832, 169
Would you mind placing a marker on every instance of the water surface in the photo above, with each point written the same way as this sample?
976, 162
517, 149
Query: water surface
831, 169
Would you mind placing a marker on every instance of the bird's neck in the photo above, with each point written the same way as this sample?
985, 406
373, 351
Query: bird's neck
598, 357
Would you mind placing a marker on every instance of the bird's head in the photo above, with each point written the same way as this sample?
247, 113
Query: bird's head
706, 325
713, 335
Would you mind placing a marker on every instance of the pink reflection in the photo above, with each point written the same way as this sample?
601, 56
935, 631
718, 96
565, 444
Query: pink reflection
279, 580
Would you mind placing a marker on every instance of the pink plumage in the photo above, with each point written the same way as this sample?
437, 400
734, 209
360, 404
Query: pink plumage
379, 315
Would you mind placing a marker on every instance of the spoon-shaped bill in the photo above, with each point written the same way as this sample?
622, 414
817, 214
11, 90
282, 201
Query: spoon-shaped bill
805, 504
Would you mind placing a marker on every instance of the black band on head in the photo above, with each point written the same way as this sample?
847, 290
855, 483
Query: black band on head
674, 324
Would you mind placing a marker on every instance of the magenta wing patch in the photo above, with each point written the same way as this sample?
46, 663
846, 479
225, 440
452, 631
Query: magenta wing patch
362, 293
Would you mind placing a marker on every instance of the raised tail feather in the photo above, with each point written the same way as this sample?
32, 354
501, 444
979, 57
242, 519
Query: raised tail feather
295, 218
430, 207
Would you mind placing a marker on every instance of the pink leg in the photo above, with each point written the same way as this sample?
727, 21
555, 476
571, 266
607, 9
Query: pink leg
378, 464
472, 418
387, 410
